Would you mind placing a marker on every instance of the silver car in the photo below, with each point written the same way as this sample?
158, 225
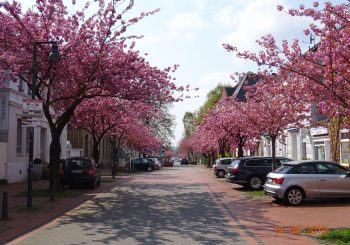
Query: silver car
295, 181
158, 163
221, 165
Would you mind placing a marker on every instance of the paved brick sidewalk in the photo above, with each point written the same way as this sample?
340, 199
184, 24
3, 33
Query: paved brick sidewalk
21, 220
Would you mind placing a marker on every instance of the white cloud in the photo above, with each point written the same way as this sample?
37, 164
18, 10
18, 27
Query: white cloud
186, 21
256, 19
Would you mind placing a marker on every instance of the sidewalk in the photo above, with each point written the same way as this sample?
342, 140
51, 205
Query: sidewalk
22, 220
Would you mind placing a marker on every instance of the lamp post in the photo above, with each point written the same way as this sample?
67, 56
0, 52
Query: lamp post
54, 56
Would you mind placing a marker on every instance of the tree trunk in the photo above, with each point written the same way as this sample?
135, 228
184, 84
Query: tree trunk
213, 159
222, 144
273, 142
334, 130
240, 150
55, 154
96, 151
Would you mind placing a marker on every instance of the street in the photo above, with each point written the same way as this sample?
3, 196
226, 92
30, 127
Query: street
184, 205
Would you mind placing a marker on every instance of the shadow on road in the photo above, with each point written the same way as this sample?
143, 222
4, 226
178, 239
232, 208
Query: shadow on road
153, 214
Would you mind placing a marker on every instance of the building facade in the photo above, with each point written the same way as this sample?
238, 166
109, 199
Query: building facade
14, 138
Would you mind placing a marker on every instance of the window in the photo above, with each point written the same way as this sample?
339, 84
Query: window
305, 169
235, 163
19, 136
284, 169
252, 163
319, 151
345, 152
20, 85
259, 162
329, 168
284, 160
226, 162
77, 163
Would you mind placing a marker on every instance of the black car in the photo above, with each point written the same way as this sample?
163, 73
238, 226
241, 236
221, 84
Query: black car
251, 172
145, 164
80, 170
184, 161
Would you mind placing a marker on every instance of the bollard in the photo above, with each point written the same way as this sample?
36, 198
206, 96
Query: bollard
4, 213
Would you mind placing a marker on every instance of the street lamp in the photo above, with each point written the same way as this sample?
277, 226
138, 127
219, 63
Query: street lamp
54, 56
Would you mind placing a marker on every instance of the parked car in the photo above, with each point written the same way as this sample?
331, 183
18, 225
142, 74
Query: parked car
157, 161
251, 171
184, 161
144, 164
82, 170
221, 165
295, 181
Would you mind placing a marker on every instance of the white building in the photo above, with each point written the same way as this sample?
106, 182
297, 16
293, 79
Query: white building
14, 138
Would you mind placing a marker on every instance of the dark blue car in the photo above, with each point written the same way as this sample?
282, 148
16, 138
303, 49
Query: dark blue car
251, 171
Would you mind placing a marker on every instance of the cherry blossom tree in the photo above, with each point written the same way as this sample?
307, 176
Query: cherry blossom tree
96, 60
101, 116
232, 118
322, 73
271, 111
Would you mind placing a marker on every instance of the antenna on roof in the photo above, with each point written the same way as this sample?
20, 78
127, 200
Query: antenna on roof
312, 39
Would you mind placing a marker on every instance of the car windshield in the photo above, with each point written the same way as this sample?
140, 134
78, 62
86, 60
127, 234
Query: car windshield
283, 169
77, 163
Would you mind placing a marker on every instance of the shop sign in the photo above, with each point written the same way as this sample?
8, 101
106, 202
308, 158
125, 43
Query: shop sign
318, 131
32, 113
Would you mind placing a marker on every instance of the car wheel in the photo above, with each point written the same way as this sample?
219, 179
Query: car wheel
157, 167
221, 174
294, 196
150, 169
255, 183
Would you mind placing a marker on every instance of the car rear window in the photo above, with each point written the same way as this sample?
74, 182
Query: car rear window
77, 163
235, 163
285, 168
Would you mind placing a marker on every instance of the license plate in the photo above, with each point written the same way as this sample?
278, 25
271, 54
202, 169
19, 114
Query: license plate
77, 171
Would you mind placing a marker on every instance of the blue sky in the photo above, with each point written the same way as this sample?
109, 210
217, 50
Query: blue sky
191, 32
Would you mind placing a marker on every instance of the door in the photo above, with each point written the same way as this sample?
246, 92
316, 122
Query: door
305, 176
333, 180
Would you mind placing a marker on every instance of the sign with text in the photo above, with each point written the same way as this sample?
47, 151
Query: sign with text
32, 113
318, 131
4, 102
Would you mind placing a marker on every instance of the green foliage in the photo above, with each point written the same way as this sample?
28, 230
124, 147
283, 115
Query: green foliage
212, 98
337, 236
188, 121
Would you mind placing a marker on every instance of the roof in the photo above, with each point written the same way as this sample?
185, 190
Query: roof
248, 79
230, 90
